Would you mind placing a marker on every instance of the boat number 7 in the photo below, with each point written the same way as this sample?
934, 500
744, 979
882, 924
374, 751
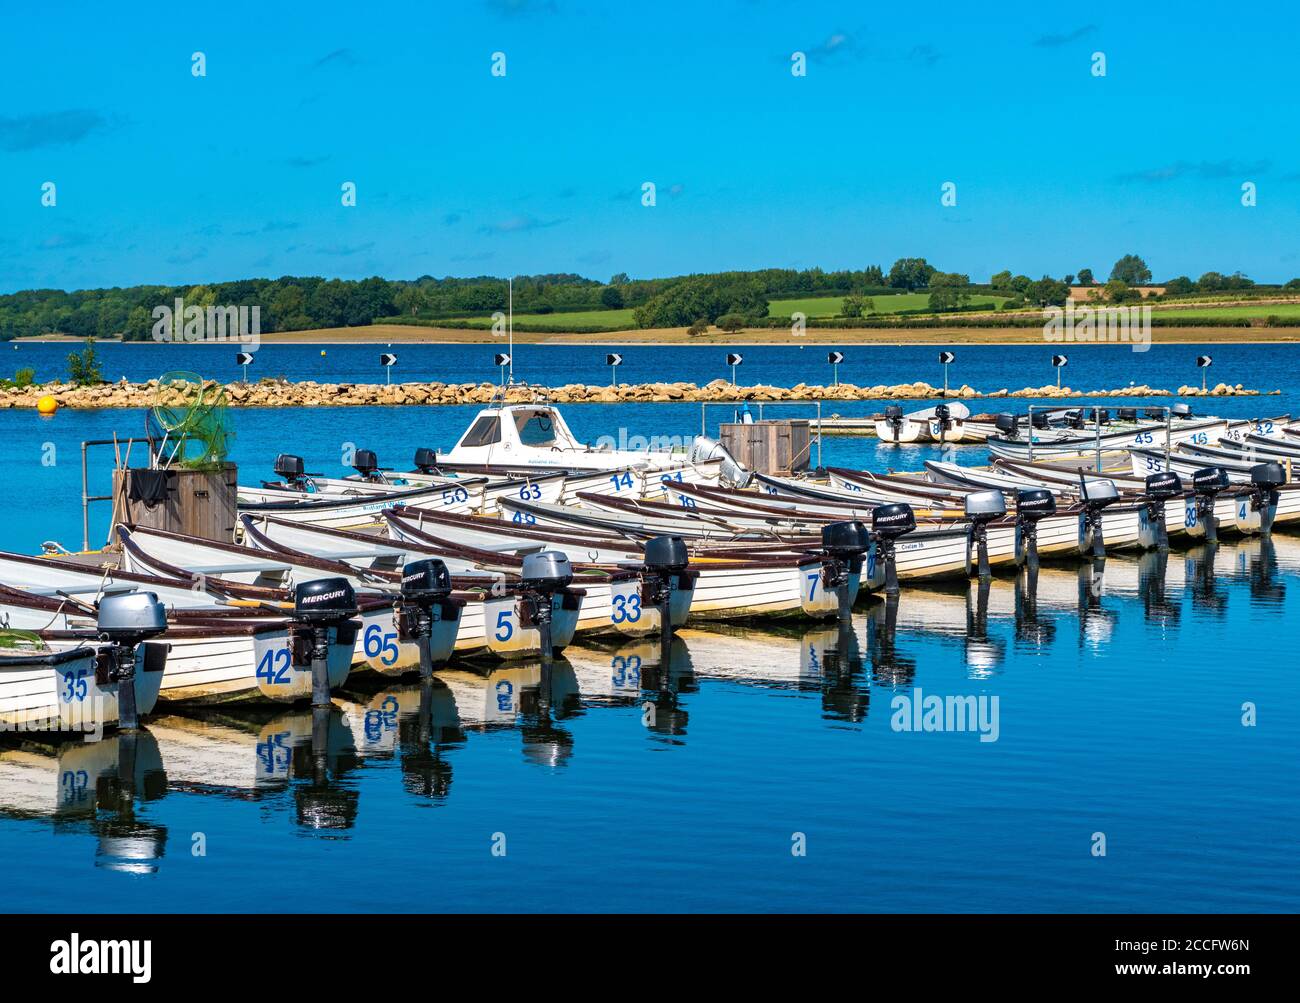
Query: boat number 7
813, 579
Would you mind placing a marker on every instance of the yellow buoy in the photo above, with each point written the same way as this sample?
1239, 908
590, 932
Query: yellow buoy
47, 405
322, 351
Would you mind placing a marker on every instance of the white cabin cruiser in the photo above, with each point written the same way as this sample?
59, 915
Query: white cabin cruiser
536, 435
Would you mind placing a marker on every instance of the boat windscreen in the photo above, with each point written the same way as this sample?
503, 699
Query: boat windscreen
484, 432
536, 428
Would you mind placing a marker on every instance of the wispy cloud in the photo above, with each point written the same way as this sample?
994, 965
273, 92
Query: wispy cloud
928, 55
1204, 169
521, 8
838, 45
346, 250
338, 59
1055, 41
520, 224
57, 128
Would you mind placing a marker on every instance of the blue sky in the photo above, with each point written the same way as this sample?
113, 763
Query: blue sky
164, 177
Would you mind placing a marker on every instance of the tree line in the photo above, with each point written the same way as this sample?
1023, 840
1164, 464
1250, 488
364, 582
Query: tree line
295, 303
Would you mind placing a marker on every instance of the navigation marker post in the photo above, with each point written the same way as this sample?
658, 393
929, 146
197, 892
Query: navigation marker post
1203, 363
945, 358
244, 359
613, 360
1059, 361
387, 359
733, 360
503, 360
835, 358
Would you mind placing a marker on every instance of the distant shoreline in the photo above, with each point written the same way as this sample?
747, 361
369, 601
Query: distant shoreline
394, 334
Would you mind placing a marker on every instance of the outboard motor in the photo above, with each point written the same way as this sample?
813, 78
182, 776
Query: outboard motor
1127, 414
666, 565
894, 416
943, 418
888, 523
1183, 411
289, 469
1007, 424
125, 621
1075, 419
1032, 504
365, 463
426, 460
982, 507
1101, 415
426, 589
1039, 419
843, 544
322, 609
734, 474
1265, 479
1152, 530
1207, 483
1154, 413
1095, 494
542, 577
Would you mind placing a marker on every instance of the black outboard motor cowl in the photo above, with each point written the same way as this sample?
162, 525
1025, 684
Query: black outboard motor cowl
1153, 530
1007, 424
888, 524
1207, 483
318, 607
666, 553
366, 463
1265, 479
426, 460
426, 581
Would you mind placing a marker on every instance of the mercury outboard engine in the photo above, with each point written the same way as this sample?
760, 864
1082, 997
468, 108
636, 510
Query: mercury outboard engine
1207, 483
1039, 419
666, 564
843, 544
1152, 529
320, 607
943, 417
894, 417
1095, 494
426, 589
289, 469
365, 463
734, 474
888, 523
1265, 479
426, 460
126, 621
982, 507
1032, 504
542, 577
1007, 424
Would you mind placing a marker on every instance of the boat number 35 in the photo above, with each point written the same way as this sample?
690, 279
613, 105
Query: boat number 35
377, 642
75, 686
627, 608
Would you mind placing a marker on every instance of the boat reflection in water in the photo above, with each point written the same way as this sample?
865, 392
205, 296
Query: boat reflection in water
89, 787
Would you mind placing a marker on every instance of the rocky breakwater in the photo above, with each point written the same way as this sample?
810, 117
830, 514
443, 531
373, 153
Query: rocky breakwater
279, 393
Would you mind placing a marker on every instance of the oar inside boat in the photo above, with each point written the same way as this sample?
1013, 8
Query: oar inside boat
1152, 529
982, 507
1032, 504
126, 621
1207, 483
323, 610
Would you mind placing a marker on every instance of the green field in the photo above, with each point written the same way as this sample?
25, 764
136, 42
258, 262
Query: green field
612, 319
1290, 310
829, 306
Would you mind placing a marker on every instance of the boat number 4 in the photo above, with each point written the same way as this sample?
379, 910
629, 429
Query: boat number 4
378, 643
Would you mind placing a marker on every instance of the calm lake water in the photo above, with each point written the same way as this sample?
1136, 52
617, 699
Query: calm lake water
632, 781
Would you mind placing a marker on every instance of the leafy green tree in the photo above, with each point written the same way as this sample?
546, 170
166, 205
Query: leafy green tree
1131, 270
851, 306
1085, 277
1047, 291
1292, 284
949, 291
873, 275
83, 366
910, 273
1118, 291
731, 322
1179, 286
611, 298
698, 326
1001, 280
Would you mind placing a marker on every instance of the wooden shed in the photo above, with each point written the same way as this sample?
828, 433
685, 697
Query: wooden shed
781, 447
195, 502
